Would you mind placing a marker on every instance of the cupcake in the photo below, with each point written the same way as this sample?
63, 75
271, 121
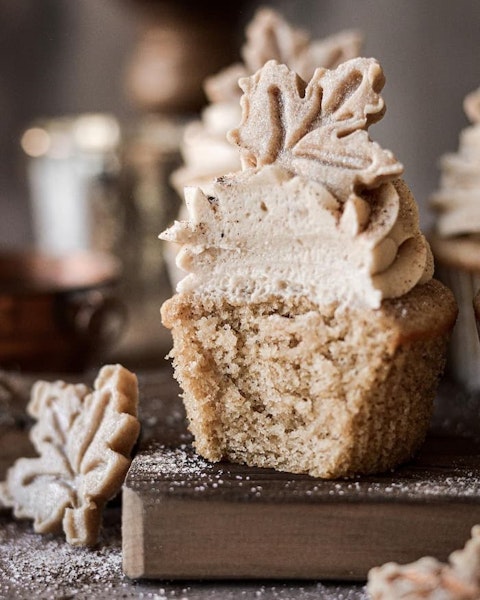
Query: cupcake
309, 334
456, 243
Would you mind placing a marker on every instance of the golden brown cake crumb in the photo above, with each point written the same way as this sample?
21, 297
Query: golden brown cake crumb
328, 391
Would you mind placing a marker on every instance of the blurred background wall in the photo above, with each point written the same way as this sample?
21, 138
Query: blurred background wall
57, 57
61, 57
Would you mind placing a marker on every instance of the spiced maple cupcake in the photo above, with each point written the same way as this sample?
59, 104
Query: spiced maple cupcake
456, 243
308, 335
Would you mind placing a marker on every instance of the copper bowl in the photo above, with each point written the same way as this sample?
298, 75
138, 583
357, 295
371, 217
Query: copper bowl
57, 313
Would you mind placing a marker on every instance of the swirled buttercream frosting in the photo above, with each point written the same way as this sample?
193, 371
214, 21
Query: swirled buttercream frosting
319, 209
457, 200
205, 149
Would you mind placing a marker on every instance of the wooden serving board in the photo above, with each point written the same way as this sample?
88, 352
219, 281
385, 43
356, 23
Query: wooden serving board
187, 518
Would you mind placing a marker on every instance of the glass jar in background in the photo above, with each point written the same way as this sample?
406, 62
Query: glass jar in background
73, 170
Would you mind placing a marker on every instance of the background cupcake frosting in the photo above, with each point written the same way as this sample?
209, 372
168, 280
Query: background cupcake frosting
457, 201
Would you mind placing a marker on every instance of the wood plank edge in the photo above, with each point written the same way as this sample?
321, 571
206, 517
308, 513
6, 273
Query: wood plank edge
133, 548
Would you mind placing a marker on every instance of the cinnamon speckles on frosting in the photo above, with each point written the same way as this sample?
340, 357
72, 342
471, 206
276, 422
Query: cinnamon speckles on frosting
318, 210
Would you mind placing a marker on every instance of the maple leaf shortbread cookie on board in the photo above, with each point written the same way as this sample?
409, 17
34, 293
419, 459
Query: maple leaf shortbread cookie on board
84, 439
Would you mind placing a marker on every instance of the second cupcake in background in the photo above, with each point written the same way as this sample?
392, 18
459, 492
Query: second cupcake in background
456, 243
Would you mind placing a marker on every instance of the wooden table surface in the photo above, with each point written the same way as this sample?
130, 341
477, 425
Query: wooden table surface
46, 567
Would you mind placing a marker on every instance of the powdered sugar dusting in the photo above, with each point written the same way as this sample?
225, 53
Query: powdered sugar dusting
180, 471
46, 566
164, 461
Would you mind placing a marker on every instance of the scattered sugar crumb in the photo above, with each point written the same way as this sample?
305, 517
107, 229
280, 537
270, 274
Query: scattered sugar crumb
163, 461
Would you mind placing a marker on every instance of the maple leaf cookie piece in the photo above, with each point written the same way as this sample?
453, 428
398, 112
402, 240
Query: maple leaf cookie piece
317, 129
458, 579
84, 439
